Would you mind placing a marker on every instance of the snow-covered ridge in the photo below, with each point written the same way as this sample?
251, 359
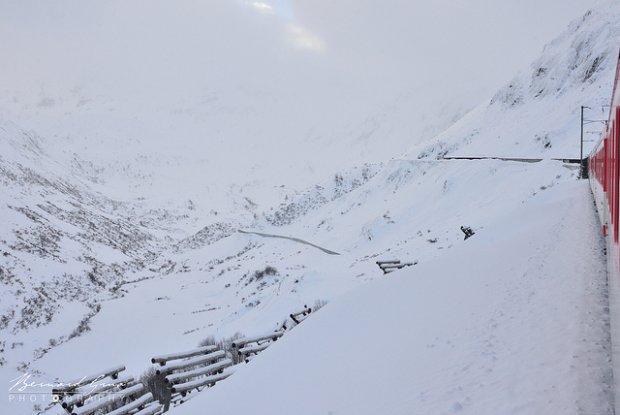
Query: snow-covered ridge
298, 205
61, 241
210, 290
537, 113
67, 246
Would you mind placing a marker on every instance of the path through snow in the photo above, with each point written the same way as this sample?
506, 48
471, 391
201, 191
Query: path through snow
301, 241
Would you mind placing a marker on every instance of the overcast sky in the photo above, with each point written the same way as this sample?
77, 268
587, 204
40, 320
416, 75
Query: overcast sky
278, 78
139, 43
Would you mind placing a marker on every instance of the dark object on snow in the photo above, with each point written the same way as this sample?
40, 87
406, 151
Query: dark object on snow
300, 315
393, 265
467, 231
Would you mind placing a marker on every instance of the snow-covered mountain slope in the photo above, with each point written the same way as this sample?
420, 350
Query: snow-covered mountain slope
505, 323
537, 114
127, 245
409, 210
66, 247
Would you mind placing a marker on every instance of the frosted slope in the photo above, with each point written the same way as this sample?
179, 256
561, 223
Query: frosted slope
410, 210
514, 321
537, 113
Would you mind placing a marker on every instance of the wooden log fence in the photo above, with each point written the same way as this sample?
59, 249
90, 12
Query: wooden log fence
69, 387
249, 358
182, 355
105, 399
108, 393
152, 409
195, 384
201, 371
252, 349
392, 265
300, 316
191, 362
294, 319
269, 337
388, 262
104, 393
248, 347
139, 403
80, 395
181, 372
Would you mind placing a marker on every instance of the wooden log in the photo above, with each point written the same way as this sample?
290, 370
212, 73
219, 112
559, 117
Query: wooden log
107, 399
271, 336
186, 398
399, 266
393, 267
176, 400
150, 410
182, 355
175, 378
393, 261
194, 361
253, 349
209, 380
79, 396
305, 311
297, 317
384, 267
70, 386
131, 406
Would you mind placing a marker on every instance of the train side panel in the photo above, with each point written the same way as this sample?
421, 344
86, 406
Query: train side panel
604, 169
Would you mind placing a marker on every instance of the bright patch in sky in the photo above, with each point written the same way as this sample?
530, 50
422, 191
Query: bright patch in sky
263, 7
298, 35
304, 39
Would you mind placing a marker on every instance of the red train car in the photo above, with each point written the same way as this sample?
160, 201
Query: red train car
604, 169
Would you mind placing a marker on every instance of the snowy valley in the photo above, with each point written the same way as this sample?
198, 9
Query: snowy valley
115, 249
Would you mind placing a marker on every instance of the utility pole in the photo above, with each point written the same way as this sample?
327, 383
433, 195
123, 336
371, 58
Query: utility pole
583, 174
581, 167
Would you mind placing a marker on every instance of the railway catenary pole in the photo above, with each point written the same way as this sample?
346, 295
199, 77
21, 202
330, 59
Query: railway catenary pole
583, 172
581, 151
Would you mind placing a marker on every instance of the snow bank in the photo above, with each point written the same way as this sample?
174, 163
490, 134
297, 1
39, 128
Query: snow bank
514, 321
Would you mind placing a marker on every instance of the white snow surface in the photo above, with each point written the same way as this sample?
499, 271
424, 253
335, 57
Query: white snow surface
504, 320
113, 257
505, 323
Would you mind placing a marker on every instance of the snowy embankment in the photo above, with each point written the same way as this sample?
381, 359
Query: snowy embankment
513, 322
410, 210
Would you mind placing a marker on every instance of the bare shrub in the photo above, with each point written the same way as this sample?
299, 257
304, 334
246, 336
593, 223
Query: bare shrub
318, 304
155, 384
269, 270
209, 341
226, 345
